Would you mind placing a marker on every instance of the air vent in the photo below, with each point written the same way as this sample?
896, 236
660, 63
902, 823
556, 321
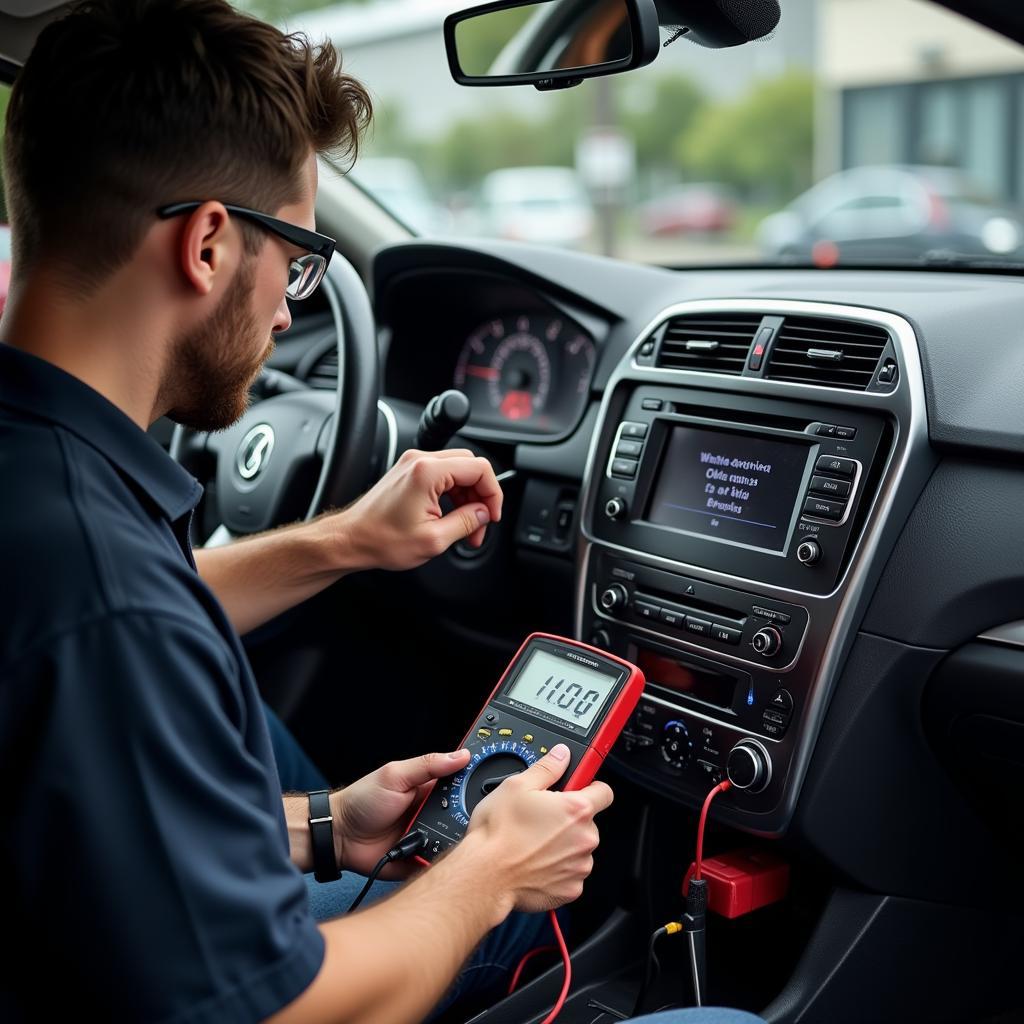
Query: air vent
717, 343
324, 372
829, 353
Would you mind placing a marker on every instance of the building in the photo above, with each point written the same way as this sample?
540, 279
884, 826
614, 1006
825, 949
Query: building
907, 81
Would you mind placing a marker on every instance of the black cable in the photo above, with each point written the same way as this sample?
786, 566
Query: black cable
405, 847
649, 974
371, 878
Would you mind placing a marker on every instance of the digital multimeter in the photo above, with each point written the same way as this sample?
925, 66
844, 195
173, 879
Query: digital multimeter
553, 691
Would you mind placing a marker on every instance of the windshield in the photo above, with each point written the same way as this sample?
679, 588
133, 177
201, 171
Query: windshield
878, 131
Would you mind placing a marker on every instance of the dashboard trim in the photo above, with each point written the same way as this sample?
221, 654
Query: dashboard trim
1010, 634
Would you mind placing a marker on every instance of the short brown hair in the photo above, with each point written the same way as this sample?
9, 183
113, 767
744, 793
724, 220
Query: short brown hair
124, 105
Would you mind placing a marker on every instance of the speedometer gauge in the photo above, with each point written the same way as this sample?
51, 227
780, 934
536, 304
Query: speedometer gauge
531, 370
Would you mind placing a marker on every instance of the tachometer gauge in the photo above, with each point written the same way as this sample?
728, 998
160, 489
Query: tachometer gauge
527, 370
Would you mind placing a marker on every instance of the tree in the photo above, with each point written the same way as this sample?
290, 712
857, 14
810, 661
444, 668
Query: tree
657, 128
763, 143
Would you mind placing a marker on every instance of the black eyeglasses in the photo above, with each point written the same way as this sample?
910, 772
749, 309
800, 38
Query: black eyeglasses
305, 272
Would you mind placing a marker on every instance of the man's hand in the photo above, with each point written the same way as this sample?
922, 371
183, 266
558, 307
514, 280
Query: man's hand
371, 815
399, 523
541, 842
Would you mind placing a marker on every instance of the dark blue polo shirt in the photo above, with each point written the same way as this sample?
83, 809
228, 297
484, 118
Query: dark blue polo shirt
144, 849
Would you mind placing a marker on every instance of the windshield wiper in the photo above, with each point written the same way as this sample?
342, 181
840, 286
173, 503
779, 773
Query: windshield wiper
959, 260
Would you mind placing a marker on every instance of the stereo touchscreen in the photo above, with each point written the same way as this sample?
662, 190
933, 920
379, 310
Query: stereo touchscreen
730, 487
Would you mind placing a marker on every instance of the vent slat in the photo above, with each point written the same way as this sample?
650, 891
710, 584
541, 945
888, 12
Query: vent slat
324, 372
852, 333
732, 335
802, 344
862, 346
790, 357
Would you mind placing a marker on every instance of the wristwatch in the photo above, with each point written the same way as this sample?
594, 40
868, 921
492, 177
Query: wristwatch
321, 834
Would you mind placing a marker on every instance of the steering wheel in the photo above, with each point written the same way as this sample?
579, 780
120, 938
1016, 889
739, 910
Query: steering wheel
263, 467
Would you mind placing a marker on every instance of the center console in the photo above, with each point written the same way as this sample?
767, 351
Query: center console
732, 527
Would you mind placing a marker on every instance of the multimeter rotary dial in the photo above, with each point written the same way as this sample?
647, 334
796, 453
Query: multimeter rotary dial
487, 769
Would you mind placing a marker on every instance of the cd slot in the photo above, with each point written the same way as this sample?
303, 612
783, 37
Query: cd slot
747, 418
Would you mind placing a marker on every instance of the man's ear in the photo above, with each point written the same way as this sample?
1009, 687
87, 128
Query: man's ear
207, 246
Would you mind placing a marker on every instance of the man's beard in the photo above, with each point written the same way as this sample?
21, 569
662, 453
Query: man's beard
212, 368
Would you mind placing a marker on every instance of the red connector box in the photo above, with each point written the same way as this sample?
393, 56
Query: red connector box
743, 880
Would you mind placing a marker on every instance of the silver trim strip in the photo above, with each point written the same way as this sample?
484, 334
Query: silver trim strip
834, 617
389, 418
1011, 634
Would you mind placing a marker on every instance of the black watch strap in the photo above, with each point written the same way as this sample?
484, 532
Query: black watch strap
321, 834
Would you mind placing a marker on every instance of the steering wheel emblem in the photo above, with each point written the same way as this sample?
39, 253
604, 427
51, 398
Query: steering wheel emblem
254, 451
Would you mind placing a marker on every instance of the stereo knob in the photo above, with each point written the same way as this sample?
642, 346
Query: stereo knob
748, 766
766, 641
809, 552
613, 597
615, 508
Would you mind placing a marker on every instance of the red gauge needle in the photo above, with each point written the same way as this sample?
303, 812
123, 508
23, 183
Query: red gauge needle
487, 372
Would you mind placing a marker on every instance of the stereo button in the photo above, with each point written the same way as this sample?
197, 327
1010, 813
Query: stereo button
646, 610
671, 618
635, 430
822, 509
834, 464
833, 488
629, 449
698, 626
652, 404
726, 634
625, 468
771, 613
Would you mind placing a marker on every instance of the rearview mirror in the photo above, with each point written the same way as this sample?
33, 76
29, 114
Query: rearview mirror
551, 44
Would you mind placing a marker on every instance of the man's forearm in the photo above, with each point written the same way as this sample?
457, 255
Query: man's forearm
391, 963
260, 577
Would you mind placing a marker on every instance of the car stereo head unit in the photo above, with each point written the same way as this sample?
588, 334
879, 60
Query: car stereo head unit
773, 498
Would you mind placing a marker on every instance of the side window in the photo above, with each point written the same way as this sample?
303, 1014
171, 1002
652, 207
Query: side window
872, 214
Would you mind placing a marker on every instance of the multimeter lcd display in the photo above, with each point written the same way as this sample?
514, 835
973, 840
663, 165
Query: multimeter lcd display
561, 688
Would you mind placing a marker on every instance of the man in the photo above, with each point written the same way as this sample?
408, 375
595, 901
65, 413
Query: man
155, 869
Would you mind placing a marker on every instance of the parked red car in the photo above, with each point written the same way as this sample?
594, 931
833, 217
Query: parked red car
705, 207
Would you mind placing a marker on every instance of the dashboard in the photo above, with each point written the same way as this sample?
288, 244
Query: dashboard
792, 496
741, 491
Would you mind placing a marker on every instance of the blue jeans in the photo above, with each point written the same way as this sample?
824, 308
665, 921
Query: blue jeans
497, 956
